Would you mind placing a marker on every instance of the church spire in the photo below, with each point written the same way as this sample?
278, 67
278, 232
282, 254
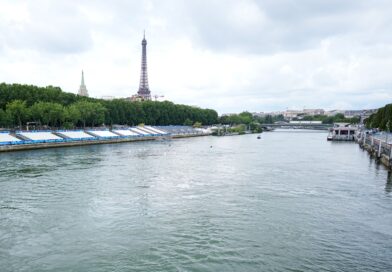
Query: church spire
82, 79
82, 89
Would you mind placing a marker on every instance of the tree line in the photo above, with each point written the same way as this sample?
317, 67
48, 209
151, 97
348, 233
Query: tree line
248, 118
382, 119
242, 121
51, 107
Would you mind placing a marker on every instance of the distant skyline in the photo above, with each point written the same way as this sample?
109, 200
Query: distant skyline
227, 55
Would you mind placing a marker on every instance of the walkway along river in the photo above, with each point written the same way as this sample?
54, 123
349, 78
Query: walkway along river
378, 145
290, 201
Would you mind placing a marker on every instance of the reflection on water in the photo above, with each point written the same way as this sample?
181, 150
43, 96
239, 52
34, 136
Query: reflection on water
388, 185
286, 202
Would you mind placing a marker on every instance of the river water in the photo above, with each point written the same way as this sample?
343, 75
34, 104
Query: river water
290, 201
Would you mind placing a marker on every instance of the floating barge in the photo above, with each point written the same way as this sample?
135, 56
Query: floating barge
342, 132
39, 139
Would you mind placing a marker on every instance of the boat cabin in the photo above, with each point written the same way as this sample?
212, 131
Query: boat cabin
342, 132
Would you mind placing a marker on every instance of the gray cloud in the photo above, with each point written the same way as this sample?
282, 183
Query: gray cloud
51, 27
273, 26
225, 54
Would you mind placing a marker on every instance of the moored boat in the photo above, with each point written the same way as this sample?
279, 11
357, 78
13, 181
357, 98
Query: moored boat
342, 132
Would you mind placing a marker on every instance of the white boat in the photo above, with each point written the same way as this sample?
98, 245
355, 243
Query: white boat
342, 132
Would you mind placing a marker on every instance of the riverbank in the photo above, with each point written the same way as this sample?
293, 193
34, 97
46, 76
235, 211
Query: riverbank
377, 146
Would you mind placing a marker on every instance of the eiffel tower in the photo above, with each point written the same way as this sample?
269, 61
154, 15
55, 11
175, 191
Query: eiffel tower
144, 91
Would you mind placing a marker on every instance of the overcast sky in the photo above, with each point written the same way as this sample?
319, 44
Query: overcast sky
227, 55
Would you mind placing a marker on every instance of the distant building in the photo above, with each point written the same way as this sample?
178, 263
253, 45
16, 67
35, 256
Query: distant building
290, 114
313, 112
275, 113
334, 112
258, 114
82, 89
264, 114
107, 97
353, 113
367, 113
144, 92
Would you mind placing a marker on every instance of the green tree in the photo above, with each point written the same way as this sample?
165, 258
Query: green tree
255, 127
48, 113
328, 120
268, 119
246, 117
197, 125
308, 118
369, 121
72, 115
56, 114
4, 119
98, 114
90, 113
18, 112
188, 122
117, 111
241, 128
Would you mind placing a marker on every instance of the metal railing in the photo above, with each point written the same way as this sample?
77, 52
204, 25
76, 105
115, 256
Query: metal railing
377, 143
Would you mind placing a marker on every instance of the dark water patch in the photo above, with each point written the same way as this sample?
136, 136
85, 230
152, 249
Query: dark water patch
16, 209
25, 171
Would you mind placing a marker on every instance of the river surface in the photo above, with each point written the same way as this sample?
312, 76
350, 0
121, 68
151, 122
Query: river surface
290, 201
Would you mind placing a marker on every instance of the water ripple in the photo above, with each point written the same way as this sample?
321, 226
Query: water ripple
291, 202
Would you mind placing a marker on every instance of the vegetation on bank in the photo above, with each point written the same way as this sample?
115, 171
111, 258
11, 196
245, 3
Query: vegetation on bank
382, 119
50, 106
235, 130
248, 118
255, 123
239, 123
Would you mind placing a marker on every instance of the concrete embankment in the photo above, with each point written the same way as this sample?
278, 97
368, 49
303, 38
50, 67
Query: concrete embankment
378, 147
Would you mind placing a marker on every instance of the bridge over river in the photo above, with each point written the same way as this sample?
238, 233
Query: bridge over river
299, 126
